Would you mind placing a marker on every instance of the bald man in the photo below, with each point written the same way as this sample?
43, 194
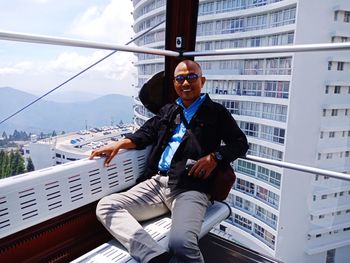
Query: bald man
188, 131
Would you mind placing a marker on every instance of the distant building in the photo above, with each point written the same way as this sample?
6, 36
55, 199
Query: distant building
292, 106
71, 146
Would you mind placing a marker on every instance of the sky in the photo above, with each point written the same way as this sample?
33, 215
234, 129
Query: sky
37, 68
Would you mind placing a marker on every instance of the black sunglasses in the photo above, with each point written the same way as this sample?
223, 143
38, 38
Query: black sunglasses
191, 77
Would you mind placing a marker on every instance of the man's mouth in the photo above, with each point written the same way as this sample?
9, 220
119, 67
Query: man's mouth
186, 90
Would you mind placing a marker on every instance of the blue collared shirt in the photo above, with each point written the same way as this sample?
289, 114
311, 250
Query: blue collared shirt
179, 132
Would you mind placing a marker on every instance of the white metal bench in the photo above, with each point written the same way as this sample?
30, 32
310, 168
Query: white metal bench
113, 251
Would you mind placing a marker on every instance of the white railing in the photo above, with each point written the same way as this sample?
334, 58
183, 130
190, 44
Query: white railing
41, 39
34, 197
31, 198
298, 167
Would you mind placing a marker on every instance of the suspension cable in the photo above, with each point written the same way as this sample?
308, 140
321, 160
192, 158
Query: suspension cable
78, 74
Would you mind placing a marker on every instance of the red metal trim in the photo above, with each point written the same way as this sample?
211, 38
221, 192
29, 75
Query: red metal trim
181, 21
60, 239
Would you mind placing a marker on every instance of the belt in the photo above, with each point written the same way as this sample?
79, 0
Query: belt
163, 173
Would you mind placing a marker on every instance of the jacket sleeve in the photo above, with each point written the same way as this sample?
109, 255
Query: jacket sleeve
147, 134
235, 141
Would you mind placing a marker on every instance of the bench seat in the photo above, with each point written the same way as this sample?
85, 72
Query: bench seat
113, 251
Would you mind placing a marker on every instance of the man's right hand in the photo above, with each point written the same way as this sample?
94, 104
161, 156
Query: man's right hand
108, 152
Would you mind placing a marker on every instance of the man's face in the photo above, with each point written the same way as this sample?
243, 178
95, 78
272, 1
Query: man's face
188, 81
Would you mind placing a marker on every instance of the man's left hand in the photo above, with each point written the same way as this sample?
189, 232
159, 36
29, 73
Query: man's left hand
203, 167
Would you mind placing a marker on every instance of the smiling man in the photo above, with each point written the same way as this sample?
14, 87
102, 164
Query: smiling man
188, 131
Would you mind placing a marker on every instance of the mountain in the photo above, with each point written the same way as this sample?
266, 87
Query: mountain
46, 116
71, 96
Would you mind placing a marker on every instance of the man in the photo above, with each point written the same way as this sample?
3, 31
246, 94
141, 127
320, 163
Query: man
167, 185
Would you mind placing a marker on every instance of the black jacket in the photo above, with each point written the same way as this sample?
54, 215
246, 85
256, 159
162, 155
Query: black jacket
211, 124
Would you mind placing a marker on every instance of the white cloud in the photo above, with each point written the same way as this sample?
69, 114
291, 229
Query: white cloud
17, 68
115, 67
108, 23
111, 23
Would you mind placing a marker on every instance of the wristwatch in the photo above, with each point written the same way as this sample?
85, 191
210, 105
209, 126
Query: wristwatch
217, 156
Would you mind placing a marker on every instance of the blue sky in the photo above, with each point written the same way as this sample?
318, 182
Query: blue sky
36, 68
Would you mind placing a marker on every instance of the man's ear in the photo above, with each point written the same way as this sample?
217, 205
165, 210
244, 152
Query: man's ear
203, 79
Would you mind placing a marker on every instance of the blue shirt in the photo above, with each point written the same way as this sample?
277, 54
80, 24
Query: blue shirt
179, 132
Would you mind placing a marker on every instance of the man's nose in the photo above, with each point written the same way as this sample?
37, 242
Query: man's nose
185, 83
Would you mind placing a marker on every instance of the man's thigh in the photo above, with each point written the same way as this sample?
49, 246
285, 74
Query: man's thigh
188, 211
143, 201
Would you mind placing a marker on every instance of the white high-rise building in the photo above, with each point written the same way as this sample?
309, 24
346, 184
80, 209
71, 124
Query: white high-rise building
293, 107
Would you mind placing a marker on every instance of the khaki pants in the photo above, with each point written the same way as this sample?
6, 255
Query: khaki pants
120, 214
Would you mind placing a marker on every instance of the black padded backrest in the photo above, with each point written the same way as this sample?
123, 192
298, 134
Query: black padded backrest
152, 92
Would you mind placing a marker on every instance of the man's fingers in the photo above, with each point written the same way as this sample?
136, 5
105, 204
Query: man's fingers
110, 157
93, 154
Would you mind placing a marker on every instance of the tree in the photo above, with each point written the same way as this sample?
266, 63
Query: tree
54, 133
30, 165
4, 135
11, 164
2, 160
18, 164
5, 168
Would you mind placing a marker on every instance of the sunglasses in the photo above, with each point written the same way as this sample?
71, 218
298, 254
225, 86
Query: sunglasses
192, 77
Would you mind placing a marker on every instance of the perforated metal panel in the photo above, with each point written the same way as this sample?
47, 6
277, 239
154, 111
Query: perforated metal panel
31, 198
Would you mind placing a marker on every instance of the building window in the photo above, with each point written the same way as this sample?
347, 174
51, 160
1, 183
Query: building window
329, 65
324, 112
331, 134
318, 235
334, 112
336, 15
337, 90
323, 196
329, 156
347, 17
321, 135
340, 66
327, 89
330, 256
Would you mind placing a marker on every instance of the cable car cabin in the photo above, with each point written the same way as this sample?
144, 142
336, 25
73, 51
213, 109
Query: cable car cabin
49, 215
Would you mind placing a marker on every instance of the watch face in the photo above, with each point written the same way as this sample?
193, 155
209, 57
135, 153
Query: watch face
218, 156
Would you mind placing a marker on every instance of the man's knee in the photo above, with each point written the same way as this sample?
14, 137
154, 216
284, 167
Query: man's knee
105, 206
184, 245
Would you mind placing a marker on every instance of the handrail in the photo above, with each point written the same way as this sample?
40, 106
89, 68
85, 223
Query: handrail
299, 167
273, 49
41, 39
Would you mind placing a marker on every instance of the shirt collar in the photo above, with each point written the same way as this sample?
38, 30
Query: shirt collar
194, 105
